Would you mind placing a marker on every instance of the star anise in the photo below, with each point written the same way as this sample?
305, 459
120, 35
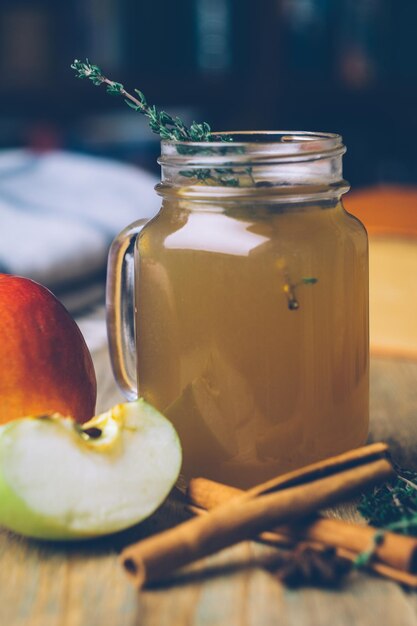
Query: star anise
319, 568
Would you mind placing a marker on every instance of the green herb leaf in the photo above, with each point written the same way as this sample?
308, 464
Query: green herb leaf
393, 505
141, 96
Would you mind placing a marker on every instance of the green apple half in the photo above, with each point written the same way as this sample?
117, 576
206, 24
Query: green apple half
63, 480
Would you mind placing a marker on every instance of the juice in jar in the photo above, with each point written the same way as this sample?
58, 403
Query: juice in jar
252, 333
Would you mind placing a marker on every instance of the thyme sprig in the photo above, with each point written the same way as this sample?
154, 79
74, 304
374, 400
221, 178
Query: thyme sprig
160, 122
393, 505
166, 126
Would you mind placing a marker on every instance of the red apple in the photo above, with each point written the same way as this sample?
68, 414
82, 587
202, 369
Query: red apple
45, 365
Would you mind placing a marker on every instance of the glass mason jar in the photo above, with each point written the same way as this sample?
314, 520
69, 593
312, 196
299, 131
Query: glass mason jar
250, 292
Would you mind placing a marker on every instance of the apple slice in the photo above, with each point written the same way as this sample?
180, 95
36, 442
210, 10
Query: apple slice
63, 480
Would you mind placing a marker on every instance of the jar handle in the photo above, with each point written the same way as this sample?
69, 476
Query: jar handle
120, 307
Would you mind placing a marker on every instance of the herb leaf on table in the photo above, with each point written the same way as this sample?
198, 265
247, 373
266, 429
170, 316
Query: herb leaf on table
393, 505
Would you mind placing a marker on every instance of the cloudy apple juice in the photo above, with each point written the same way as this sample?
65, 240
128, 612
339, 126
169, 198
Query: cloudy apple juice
252, 331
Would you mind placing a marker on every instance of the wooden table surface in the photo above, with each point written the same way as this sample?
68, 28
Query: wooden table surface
45, 584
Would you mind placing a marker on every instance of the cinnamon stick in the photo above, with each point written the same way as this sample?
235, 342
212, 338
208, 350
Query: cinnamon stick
396, 551
326, 467
306, 491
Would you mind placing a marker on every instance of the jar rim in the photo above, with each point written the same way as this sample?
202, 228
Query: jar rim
255, 146
279, 142
273, 159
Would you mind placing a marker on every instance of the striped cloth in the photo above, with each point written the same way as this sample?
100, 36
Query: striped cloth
59, 212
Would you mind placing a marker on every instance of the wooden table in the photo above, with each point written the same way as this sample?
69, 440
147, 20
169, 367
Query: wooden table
83, 585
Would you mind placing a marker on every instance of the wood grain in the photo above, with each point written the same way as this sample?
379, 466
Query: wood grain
45, 584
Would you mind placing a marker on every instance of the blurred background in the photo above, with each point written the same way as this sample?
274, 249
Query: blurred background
346, 66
